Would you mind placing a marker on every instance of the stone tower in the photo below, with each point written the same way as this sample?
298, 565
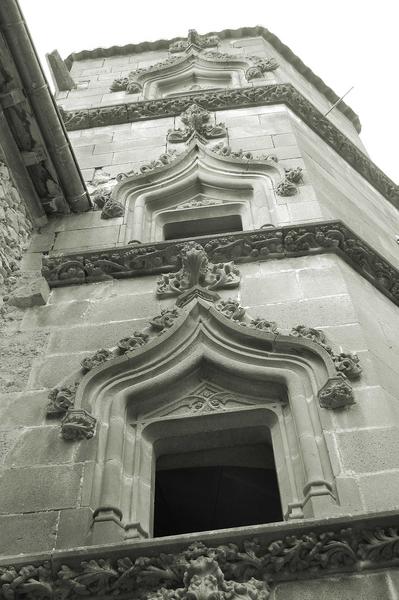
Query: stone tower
199, 348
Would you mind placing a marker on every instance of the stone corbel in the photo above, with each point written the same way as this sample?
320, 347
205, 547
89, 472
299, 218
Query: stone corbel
77, 425
336, 393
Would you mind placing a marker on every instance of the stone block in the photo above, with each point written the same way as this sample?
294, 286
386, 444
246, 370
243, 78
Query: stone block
89, 220
41, 446
276, 287
260, 143
91, 338
95, 161
42, 242
35, 293
321, 282
368, 450
69, 313
284, 139
52, 370
138, 154
283, 152
373, 408
305, 211
276, 123
91, 140
30, 533
24, 409
32, 489
88, 238
124, 307
380, 491
367, 586
88, 291
74, 528
83, 151
327, 311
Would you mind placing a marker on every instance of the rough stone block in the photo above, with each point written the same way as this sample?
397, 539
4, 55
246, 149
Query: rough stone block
368, 450
33, 294
40, 488
321, 282
380, 491
54, 368
30, 533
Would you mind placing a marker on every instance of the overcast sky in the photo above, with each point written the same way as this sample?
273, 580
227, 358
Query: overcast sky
346, 42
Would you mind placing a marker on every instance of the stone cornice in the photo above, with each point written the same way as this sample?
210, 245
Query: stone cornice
263, 244
227, 34
283, 93
255, 557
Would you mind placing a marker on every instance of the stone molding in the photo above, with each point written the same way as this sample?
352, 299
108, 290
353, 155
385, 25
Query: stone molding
257, 31
263, 244
228, 566
283, 93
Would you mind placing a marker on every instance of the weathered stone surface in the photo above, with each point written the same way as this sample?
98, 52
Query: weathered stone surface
21, 534
50, 488
34, 294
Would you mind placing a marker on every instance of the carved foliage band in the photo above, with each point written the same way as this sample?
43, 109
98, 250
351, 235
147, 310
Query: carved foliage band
199, 572
332, 236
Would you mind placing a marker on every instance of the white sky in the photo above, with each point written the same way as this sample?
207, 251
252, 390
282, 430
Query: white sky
347, 43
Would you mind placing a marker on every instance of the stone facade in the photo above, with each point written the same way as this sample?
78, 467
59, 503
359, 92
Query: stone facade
236, 278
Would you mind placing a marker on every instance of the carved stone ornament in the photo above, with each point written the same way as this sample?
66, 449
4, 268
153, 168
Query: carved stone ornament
336, 393
197, 272
132, 83
286, 188
197, 121
61, 400
348, 364
259, 67
77, 425
97, 359
225, 150
294, 175
242, 97
194, 39
112, 209
309, 333
244, 570
132, 342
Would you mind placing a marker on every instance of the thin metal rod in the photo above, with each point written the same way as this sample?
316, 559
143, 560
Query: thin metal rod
338, 101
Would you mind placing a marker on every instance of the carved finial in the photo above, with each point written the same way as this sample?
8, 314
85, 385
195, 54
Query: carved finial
197, 121
197, 273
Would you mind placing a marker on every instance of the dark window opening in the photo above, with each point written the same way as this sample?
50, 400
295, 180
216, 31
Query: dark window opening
198, 227
217, 496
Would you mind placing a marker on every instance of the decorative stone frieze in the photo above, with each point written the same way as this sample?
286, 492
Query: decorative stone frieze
196, 40
241, 97
225, 150
337, 393
61, 400
246, 569
197, 121
77, 425
263, 244
197, 272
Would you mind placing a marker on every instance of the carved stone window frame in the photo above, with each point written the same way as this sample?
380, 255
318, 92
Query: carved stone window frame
143, 194
118, 389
